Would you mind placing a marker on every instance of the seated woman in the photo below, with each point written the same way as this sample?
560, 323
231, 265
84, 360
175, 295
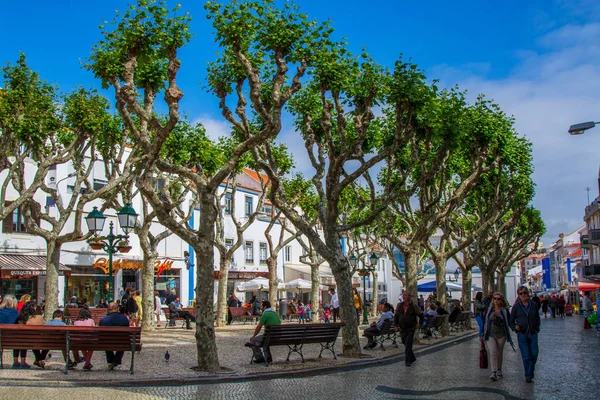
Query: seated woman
455, 312
30, 315
85, 319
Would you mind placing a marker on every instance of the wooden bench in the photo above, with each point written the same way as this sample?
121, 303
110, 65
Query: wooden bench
72, 313
167, 313
387, 332
241, 314
296, 336
461, 321
66, 338
433, 325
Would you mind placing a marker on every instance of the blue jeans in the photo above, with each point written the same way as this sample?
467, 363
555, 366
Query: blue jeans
528, 345
479, 320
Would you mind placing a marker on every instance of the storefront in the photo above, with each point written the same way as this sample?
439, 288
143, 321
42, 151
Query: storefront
24, 274
89, 283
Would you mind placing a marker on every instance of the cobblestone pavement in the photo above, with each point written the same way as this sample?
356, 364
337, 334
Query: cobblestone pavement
567, 369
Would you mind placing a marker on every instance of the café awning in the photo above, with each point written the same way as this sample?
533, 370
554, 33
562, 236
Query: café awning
26, 266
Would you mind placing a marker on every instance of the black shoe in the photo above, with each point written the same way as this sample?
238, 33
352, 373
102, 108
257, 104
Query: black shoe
408, 364
188, 327
259, 361
372, 345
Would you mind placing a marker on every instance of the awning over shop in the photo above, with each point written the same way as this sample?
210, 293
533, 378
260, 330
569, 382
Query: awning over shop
432, 287
20, 266
325, 274
585, 286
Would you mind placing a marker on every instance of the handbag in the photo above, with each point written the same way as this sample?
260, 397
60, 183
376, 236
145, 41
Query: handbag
483, 356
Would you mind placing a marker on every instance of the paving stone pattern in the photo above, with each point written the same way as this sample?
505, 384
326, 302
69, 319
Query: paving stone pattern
567, 369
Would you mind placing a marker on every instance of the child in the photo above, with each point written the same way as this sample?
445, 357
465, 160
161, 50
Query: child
326, 315
308, 312
300, 313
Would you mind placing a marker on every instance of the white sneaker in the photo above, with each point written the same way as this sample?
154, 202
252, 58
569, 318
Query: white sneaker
499, 374
493, 377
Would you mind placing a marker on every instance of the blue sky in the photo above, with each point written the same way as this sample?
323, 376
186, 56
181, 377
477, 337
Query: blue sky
539, 59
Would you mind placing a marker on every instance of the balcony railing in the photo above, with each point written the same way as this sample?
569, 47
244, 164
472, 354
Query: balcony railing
592, 270
594, 236
585, 243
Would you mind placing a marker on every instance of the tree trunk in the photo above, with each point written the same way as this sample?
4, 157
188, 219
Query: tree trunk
208, 359
485, 280
148, 291
314, 291
440, 278
272, 265
222, 292
350, 340
502, 282
374, 300
410, 271
467, 279
51, 287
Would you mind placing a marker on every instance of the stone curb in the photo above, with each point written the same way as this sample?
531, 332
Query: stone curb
166, 381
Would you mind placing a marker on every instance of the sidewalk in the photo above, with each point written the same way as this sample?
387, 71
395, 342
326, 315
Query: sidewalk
151, 367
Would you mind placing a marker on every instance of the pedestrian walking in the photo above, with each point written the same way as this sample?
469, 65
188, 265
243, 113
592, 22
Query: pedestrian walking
358, 304
560, 306
553, 304
406, 318
525, 321
479, 311
587, 308
157, 307
335, 305
545, 305
497, 332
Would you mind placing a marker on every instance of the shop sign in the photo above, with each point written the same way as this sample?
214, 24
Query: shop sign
243, 276
159, 266
24, 274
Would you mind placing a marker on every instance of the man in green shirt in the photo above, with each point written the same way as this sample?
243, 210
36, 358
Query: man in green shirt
269, 317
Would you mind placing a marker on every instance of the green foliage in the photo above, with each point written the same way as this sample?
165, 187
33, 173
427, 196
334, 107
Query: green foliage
28, 109
188, 146
148, 33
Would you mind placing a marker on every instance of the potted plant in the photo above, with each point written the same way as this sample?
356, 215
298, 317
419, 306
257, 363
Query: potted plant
123, 246
96, 244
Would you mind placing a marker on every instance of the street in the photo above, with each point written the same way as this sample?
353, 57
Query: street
567, 368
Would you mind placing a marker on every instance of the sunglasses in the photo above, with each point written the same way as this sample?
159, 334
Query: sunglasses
497, 298
523, 293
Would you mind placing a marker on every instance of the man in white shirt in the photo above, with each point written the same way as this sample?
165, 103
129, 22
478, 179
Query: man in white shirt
335, 305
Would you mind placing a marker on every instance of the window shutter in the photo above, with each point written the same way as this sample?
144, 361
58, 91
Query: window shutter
7, 226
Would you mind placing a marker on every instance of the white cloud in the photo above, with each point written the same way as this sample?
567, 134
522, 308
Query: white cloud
214, 128
547, 92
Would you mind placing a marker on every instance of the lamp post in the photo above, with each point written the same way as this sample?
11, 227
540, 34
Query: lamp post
578, 129
366, 270
456, 276
110, 244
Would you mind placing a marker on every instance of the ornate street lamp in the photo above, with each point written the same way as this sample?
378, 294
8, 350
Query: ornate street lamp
456, 276
112, 243
364, 272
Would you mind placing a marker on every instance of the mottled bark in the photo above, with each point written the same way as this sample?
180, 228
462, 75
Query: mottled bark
148, 291
343, 277
272, 266
440, 278
205, 331
501, 282
467, 279
222, 291
410, 271
374, 300
314, 291
51, 287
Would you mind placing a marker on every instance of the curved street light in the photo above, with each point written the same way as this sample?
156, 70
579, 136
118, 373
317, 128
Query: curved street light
95, 221
580, 128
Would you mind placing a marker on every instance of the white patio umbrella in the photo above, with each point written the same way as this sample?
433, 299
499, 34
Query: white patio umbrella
299, 285
256, 285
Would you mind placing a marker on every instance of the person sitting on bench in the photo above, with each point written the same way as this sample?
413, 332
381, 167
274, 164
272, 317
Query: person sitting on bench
176, 311
269, 317
375, 328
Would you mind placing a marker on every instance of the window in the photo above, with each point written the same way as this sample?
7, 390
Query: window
99, 183
248, 206
227, 203
263, 253
250, 252
288, 253
229, 245
267, 209
15, 222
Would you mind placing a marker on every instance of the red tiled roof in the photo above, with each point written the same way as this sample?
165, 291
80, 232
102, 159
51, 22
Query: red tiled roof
254, 175
576, 253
